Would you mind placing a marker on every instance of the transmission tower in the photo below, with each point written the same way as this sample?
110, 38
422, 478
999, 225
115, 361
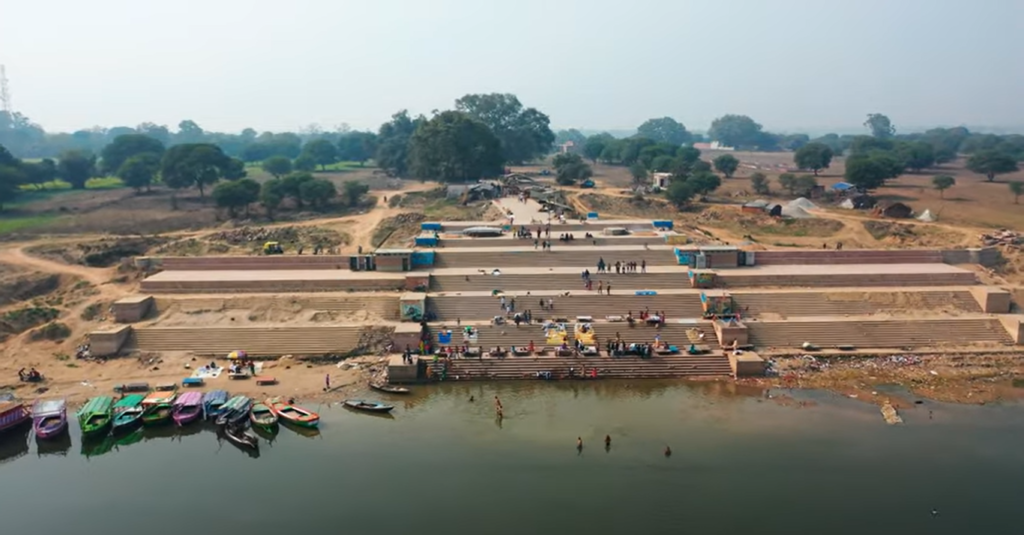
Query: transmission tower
5, 92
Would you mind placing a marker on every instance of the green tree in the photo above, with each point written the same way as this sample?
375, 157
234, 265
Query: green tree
76, 167
759, 183
291, 185
651, 152
639, 173
880, 126
572, 173
524, 133
610, 153
304, 163
868, 144
393, 143
193, 165
189, 132
737, 131
664, 130
787, 181
679, 193
234, 169
140, 170
917, 155
318, 192
455, 147
704, 182
353, 191
272, 194
571, 134
813, 156
629, 149
322, 152
942, 183
236, 194
1017, 189
11, 179
727, 164
991, 163
277, 166
805, 184
866, 172
594, 146
126, 146
794, 142
663, 164
357, 147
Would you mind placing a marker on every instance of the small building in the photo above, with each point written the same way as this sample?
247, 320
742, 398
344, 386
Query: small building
897, 210
660, 180
862, 201
755, 207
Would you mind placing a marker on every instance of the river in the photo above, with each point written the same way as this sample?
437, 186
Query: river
741, 464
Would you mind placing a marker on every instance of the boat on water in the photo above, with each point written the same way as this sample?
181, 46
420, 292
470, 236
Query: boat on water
128, 412
12, 414
158, 407
49, 417
234, 410
241, 436
368, 406
213, 401
187, 408
261, 415
96, 415
390, 389
294, 414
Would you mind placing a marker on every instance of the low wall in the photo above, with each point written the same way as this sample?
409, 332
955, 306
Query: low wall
991, 299
132, 309
402, 373
208, 263
729, 331
746, 364
1015, 326
108, 342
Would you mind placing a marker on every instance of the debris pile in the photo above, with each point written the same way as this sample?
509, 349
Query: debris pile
1001, 237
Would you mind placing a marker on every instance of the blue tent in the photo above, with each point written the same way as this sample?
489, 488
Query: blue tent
842, 186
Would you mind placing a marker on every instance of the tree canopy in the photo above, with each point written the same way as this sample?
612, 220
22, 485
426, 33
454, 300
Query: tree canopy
357, 147
124, 147
393, 141
991, 162
880, 126
277, 166
524, 133
321, 151
139, 171
193, 165
679, 193
236, 194
570, 169
455, 147
664, 130
738, 131
76, 167
727, 164
318, 192
813, 156
1017, 189
942, 183
353, 191
571, 134
867, 172
595, 145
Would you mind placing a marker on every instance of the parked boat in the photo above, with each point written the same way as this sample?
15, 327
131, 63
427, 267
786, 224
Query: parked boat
368, 406
239, 435
95, 417
213, 401
294, 414
128, 412
12, 414
49, 417
390, 389
261, 415
234, 410
188, 407
158, 407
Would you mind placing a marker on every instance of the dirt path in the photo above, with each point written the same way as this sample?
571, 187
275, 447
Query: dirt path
18, 257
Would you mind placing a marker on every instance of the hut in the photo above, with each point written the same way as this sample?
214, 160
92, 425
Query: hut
897, 210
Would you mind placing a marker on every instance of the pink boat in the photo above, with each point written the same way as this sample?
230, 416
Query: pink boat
49, 417
188, 407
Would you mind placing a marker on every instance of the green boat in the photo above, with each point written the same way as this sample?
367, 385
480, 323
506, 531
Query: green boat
157, 408
261, 415
128, 412
95, 416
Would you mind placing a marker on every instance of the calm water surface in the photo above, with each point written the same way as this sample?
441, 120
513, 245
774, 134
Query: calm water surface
442, 465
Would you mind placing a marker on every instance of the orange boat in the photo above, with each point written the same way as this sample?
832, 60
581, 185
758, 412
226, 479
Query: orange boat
293, 414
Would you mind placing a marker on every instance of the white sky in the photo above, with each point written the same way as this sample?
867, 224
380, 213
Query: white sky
789, 64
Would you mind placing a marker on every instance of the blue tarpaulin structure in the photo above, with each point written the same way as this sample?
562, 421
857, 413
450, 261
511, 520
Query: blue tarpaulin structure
591, 215
683, 257
661, 223
842, 186
426, 241
430, 226
422, 258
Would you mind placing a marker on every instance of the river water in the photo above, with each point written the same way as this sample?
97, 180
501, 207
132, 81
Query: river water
740, 463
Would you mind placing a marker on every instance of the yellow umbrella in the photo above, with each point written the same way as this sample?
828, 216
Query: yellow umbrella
237, 354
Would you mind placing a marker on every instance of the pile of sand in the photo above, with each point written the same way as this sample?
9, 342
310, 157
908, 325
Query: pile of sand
795, 212
802, 202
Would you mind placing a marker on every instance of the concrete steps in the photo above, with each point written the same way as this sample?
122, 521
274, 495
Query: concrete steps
878, 333
619, 368
489, 336
847, 256
790, 304
749, 279
581, 303
557, 282
558, 256
257, 341
383, 305
598, 240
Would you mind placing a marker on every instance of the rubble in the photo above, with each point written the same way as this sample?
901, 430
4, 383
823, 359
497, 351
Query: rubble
1001, 237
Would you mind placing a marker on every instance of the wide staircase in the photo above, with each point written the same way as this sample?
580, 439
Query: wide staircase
383, 305
580, 303
489, 336
620, 368
289, 261
257, 341
598, 240
848, 256
840, 302
745, 279
558, 256
539, 280
878, 333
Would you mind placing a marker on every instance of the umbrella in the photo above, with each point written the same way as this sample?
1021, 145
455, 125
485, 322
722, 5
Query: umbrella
237, 354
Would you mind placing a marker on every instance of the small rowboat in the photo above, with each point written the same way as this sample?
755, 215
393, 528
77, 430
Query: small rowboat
294, 414
12, 414
49, 417
368, 406
128, 412
187, 407
96, 415
241, 437
390, 389
234, 410
158, 408
261, 415
213, 402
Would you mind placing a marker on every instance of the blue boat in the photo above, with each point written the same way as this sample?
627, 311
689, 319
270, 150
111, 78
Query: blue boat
234, 410
368, 406
213, 402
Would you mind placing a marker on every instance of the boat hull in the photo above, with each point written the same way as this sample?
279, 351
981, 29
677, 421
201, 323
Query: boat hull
367, 406
127, 420
50, 427
157, 415
295, 415
187, 415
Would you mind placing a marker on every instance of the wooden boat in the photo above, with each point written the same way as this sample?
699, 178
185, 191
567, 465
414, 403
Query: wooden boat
49, 417
213, 401
261, 415
12, 414
241, 437
294, 414
95, 417
158, 407
368, 406
234, 410
128, 412
390, 389
188, 407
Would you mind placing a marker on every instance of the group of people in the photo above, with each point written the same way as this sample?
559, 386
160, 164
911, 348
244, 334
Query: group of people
621, 267
31, 375
657, 318
619, 348
242, 365
588, 283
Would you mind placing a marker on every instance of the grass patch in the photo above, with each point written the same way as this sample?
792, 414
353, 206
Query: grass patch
92, 311
105, 182
51, 331
14, 224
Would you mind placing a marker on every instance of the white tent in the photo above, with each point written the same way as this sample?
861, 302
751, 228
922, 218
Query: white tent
926, 216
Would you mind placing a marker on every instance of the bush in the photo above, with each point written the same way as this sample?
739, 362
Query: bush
52, 331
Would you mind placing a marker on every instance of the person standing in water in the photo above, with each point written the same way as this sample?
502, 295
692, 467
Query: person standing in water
579, 443
327, 382
607, 442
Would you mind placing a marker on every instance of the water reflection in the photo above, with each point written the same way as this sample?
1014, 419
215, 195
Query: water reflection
14, 442
58, 445
307, 432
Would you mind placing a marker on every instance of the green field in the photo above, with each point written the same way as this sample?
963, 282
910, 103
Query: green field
15, 224
106, 182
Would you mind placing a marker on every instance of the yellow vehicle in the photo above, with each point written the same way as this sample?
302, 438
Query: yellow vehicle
272, 247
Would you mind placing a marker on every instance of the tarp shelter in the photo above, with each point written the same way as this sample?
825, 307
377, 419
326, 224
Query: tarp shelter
842, 186
863, 201
926, 216
897, 210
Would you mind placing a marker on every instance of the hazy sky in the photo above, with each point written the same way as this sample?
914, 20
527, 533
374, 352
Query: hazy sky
789, 64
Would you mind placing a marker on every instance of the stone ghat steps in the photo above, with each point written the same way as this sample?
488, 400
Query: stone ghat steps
557, 282
878, 333
556, 227
739, 279
580, 240
559, 256
288, 261
257, 341
384, 284
622, 368
846, 302
489, 336
383, 305
579, 304
849, 256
